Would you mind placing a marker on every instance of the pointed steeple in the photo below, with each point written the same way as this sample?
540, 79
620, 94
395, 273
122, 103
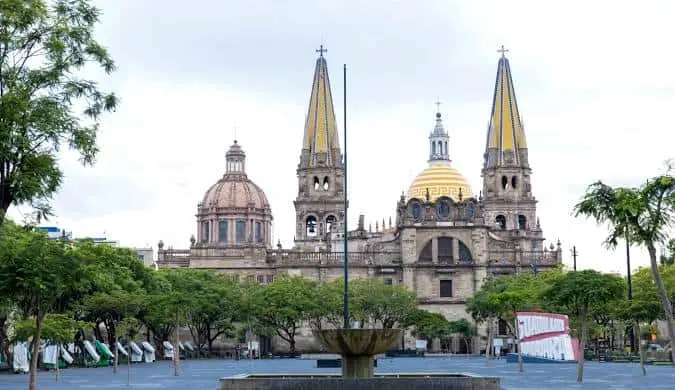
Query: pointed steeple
321, 145
506, 144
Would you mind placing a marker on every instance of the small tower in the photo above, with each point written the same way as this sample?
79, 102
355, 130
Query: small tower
319, 206
438, 140
508, 200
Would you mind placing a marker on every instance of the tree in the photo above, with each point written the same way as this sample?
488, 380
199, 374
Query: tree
58, 329
428, 325
37, 273
43, 47
580, 294
377, 304
465, 329
213, 303
109, 309
643, 214
668, 258
283, 305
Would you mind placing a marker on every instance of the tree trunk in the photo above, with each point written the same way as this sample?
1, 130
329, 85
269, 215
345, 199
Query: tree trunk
663, 294
129, 362
291, 342
488, 345
582, 347
35, 350
112, 339
640, 349
176, 352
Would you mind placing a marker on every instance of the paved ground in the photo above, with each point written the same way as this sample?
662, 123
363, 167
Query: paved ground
203, 375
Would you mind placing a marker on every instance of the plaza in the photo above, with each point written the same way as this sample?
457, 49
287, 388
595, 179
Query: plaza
204, 374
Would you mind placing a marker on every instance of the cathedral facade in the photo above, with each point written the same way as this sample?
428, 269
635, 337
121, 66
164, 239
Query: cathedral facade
445, 239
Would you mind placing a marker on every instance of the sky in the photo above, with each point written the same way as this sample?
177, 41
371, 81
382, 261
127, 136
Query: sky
594, 83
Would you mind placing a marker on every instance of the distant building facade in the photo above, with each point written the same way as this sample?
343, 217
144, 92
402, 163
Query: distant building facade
144, 254
443, 242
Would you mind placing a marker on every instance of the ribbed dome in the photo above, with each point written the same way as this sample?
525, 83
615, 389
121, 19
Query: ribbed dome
235, 190
441, 179
235, 194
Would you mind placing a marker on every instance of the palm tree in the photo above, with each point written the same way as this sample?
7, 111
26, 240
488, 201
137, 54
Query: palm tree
641, 215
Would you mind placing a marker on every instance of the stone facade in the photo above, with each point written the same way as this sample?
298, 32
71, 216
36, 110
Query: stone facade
440, 247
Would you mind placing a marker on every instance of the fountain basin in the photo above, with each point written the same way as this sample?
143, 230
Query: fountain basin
399, 381
357, 347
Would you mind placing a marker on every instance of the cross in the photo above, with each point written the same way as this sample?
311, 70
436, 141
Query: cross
438, 105
321, 50
502, 50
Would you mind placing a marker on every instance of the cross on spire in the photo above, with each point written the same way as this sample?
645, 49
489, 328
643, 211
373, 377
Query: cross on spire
321, 50
503, 51
438, 105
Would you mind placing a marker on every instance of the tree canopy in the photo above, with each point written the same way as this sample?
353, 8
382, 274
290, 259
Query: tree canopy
44, 47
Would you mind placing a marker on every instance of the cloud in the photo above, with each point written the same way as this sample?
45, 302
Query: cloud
593, 85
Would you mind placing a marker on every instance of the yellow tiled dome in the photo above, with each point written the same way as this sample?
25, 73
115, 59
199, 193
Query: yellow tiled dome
442, 180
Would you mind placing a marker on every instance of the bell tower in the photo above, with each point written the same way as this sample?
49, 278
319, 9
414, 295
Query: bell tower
319, 206
507, 193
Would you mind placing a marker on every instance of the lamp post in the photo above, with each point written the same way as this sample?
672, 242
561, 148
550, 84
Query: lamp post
345, 313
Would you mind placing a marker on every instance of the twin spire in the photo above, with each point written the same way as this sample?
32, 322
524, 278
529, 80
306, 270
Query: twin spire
505, 146
321, 146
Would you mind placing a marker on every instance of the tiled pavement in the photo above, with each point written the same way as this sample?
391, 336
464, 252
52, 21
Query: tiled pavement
204, 374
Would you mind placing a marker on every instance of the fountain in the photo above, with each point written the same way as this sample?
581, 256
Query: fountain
357, 347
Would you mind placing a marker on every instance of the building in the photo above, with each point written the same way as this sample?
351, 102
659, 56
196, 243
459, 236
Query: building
445, 240
144, 254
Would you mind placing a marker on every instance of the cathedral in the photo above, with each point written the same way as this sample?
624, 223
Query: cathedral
445, 239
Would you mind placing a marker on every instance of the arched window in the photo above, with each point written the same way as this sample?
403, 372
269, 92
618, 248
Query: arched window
330, 222
310, 226
505, 182
500, 222
464, 254
205, 231
522, 222
469, 211
445, 250
433, 148
426, 255
317, 185
325, 183
415, 210
241, 231
514, 182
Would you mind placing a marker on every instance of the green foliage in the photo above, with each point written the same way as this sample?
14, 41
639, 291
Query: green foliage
56, 328
44, 45
428, 325
209, 302
381, 305
283, 305
581, 293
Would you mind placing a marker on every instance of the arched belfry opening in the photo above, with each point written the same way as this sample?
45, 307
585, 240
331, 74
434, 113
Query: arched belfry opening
311, 227
500, 222
330, 223
317, 184
325, 183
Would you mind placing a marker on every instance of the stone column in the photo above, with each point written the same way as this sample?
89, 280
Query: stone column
434, 250
455, 250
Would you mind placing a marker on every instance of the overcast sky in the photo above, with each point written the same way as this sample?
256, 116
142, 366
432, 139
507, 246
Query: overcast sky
594, 82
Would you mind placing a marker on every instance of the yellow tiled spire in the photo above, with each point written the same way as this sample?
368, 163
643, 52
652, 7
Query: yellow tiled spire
321, 145
506, 144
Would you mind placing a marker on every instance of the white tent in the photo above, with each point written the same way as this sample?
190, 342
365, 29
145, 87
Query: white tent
189, 346
148, 352
50, 354
66, 355
168, 350
121, 349
89, 347
20, 361
136, 352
